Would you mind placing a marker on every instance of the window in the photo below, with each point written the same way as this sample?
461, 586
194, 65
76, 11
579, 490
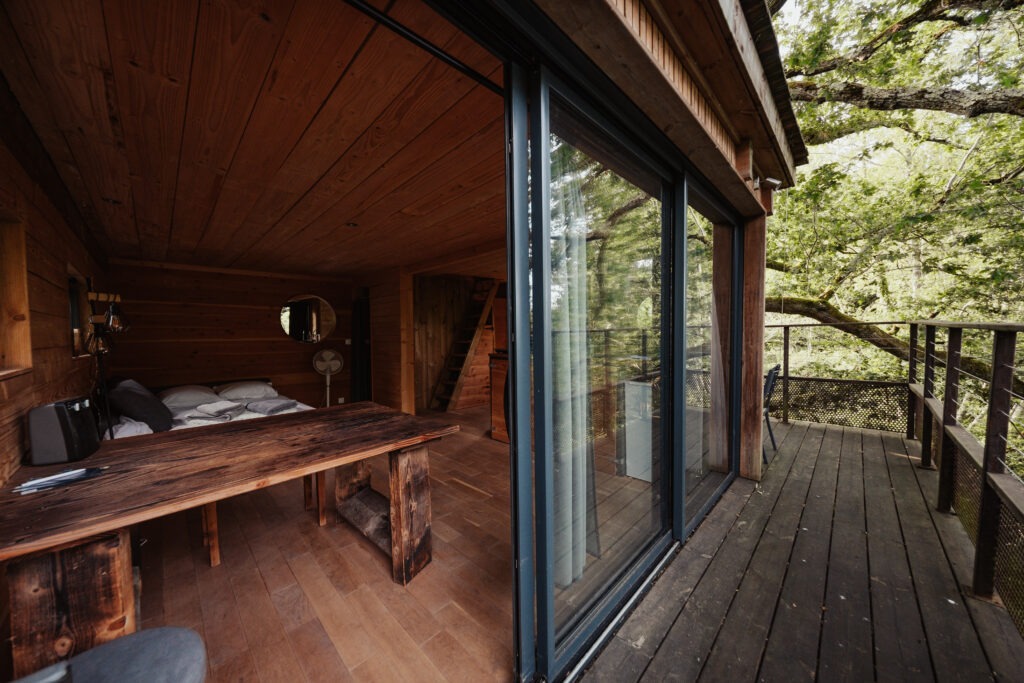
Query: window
15, 336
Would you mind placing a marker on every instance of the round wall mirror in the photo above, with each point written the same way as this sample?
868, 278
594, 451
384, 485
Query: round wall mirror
307, 318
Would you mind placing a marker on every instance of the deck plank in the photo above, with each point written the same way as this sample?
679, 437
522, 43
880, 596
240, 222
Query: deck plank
846, 651
792, 650
737, 651
956, 652
901, 651
683, 653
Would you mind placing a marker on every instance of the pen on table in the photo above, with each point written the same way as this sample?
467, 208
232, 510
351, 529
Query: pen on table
60, 479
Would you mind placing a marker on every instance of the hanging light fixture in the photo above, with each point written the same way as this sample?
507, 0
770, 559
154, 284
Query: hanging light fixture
115, 319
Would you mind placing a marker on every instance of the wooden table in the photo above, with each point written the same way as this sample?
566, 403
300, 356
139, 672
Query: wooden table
155, 475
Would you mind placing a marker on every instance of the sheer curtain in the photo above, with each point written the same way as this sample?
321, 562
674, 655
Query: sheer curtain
575, 516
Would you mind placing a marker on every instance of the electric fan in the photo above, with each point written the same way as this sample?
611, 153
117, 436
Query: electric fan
328, 362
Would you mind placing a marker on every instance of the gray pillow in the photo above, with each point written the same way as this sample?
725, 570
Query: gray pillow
133, 400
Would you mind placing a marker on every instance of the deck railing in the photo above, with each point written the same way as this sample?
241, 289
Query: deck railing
975, 448
842, 378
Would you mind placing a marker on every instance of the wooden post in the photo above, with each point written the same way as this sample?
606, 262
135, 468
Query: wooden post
947, 463
211, 535
785, 374
410, 512
752, 362
912, 379
69, 600
996, 426
321, 498
307, 492
929, 388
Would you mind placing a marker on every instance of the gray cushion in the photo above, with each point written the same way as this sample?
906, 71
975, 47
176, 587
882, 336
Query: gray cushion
137, 402
156, 655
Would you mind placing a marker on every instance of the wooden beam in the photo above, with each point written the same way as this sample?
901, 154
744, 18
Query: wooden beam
752, 378
16, 328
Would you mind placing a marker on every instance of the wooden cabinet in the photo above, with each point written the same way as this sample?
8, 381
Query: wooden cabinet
499, 373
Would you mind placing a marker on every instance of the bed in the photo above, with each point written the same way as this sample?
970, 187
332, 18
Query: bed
135, 410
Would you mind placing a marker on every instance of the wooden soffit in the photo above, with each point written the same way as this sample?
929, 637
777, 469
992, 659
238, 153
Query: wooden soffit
665, 57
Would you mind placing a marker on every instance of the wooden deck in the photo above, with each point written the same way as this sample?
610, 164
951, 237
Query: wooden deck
833, 568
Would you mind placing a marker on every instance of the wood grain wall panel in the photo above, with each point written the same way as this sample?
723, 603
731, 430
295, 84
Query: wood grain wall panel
67, 45
476, 385
235, 44
199, 326
306, 184
319, 43
391, 341
413, 197
439, 307
50, 247
33, 101
151, 58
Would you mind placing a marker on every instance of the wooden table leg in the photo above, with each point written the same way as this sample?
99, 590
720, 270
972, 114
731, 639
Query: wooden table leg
70, 599
211, 539
307, 491
410, 512
321, 498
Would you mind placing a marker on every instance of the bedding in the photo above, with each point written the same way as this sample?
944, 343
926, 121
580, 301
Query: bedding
246, 391
194, 405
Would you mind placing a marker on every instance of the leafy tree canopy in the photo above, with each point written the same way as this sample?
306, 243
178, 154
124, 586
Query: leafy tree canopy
913, 203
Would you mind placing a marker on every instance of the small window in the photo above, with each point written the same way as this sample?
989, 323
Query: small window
15, 335
78, 313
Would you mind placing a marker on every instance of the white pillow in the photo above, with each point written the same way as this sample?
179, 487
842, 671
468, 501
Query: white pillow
187, 397
246, 390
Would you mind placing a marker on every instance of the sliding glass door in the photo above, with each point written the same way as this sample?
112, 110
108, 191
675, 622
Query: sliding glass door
620, 301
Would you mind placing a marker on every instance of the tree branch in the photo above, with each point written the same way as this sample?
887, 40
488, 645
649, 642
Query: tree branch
826, 313
967, 103
933, 10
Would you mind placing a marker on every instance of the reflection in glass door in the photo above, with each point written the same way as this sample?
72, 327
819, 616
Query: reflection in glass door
706, 458
605, 299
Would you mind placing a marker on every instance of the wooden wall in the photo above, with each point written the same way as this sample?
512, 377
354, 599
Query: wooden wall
392, 347
476, 386
50, 247
198, 325
439, 305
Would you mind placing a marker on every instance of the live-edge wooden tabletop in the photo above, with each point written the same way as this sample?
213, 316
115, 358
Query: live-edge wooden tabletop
156, 474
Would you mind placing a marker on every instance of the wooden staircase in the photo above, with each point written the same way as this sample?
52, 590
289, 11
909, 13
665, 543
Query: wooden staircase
478, 312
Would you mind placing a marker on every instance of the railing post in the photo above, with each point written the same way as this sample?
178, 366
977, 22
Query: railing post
996, 426
950, 397
912, 379
929, 388
785, 374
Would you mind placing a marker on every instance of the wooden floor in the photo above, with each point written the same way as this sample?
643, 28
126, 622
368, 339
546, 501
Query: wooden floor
833, 568
294, 602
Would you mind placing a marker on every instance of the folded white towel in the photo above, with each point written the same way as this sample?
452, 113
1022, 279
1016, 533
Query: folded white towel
271, 406
220, 408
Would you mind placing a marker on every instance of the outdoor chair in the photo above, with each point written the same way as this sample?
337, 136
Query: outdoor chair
769, 389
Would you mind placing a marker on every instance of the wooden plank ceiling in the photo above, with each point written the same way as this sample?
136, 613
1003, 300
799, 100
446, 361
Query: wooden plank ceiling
273, 135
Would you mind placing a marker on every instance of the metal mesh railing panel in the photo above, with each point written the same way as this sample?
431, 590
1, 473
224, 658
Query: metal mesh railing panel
1009, 573
967, 494
851, 403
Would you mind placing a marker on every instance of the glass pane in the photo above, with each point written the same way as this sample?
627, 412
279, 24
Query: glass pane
706, 458
606, 362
